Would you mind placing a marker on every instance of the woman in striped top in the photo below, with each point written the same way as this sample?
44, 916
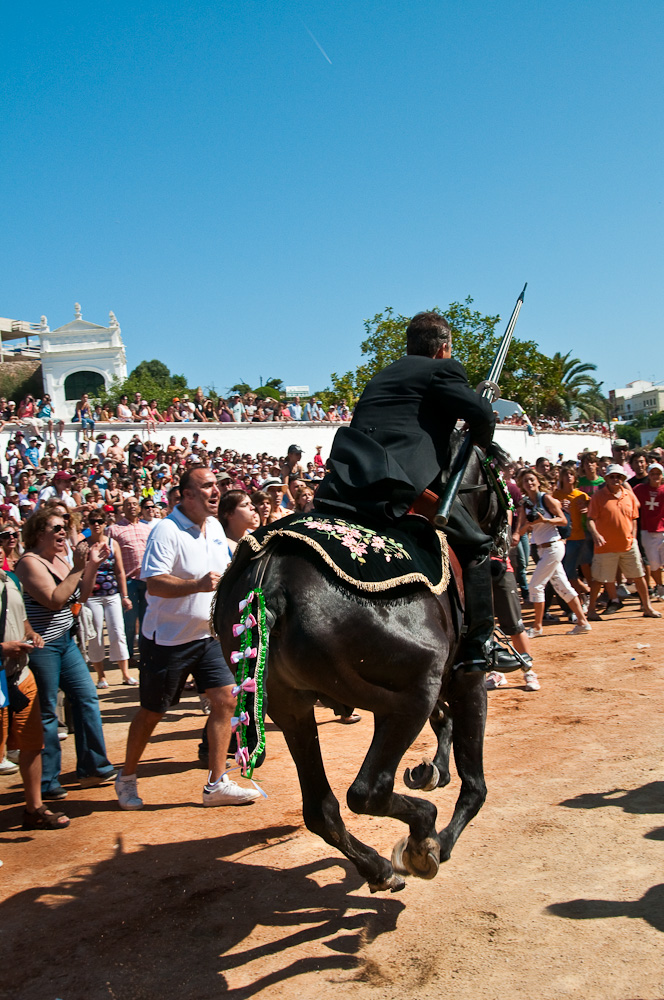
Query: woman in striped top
51, 589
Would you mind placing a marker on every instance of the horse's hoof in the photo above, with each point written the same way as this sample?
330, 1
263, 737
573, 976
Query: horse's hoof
394, 883
421, 860
424, 777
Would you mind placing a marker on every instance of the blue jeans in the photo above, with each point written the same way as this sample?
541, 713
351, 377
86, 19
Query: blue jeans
136, 590
60, 664
520, 558
571, 560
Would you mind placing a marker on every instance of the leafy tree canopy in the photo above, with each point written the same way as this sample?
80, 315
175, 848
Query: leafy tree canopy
630, 433
153, 380
558, 386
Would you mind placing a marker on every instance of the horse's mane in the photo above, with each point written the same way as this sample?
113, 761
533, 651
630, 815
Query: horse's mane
502, 457
494, 450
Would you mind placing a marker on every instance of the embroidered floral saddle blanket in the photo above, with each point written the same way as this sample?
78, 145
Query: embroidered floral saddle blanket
366, 558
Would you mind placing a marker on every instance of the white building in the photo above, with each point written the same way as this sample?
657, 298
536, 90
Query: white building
76, 358
639, 398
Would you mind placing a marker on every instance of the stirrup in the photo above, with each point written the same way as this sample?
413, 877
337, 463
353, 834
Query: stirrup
473, 666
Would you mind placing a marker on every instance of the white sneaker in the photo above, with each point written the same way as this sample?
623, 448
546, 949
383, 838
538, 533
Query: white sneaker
127, 792
7, 767
228, 793
13, 755
532, 683
580, 629
659, 590
495, 680
535, 633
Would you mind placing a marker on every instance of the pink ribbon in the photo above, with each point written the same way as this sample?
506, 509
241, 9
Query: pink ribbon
243, 719
249, 685
239, 629
248, 599
243, 654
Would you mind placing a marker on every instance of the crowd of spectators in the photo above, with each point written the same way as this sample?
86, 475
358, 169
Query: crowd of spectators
594, 528
74, 528
553, 424
37, 416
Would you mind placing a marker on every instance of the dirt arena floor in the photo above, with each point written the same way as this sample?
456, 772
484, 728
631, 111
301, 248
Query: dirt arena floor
555, 890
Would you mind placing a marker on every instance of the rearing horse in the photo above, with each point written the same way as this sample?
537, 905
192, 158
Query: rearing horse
390, 654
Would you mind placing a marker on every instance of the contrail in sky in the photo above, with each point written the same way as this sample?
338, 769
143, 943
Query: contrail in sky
317, 43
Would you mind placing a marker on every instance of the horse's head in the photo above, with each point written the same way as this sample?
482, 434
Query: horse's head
485, 496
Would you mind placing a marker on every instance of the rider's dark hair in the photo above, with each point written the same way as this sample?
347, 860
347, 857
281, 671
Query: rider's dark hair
426, 334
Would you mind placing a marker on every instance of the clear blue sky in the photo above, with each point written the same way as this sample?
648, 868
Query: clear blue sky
243, 200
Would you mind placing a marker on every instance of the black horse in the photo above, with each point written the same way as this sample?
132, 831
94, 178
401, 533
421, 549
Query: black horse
390, 655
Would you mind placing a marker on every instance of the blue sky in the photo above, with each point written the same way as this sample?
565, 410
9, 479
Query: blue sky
243, 204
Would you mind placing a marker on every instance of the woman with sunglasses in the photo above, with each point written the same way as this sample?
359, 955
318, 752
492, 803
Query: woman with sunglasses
52, 588
9, 547
107, 602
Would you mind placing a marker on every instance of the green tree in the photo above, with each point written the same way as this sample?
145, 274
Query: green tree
475, 342
542, 385
630, 433
152, 379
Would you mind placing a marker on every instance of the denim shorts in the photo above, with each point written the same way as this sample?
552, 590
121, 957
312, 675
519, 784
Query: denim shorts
164, 670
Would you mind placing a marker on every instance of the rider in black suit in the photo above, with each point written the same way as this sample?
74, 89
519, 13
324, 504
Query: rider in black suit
397, 445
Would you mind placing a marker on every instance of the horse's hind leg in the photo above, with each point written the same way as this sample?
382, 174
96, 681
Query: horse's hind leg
434, 773
320, 807
467, 701
373, 792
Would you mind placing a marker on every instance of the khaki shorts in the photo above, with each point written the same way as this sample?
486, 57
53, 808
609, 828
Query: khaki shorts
605, 565
653, 546
26, 731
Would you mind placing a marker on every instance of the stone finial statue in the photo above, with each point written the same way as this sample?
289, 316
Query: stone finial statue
112, 318
77, 311
43, 322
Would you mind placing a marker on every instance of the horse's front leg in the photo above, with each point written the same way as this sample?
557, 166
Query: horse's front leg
373, 792
294, 715
467, 701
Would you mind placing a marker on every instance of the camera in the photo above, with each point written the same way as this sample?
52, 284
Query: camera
531, 511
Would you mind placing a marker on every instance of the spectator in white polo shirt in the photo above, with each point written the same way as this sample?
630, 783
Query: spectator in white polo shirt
184, 559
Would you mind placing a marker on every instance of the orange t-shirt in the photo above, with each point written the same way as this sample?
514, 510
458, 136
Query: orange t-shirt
576, 517
614, 515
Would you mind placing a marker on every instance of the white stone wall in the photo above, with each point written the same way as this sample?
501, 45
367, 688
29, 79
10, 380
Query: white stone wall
275, 438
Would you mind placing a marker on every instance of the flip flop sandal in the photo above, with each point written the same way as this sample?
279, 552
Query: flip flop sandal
348, 720
44, 819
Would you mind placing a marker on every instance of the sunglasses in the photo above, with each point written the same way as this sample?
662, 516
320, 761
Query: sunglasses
96, 520
4, 535
55, 529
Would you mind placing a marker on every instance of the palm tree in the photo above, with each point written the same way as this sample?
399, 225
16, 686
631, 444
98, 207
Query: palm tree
566, 384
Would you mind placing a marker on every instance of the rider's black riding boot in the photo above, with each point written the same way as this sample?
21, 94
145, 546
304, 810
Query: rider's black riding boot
474, 648
472, 548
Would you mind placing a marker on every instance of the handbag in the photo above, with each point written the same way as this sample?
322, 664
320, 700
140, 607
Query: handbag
17, 701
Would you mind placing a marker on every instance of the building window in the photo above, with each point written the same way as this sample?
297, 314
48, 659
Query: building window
79, 382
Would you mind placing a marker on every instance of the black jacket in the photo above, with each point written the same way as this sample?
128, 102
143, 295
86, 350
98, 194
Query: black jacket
398, 441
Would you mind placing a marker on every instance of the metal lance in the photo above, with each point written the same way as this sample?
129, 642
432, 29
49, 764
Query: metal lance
488, 389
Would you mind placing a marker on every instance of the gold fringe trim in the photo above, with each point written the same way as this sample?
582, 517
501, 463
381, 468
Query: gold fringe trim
370, 587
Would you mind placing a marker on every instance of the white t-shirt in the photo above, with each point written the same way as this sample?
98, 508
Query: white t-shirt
50, 491
178, 547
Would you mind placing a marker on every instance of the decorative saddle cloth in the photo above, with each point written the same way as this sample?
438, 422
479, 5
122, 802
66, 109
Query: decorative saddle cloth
367, 558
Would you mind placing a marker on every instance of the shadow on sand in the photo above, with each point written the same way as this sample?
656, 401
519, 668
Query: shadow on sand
180, 920
650, 907
646, 799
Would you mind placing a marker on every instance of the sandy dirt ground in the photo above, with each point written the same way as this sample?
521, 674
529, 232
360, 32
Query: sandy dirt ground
555, 890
